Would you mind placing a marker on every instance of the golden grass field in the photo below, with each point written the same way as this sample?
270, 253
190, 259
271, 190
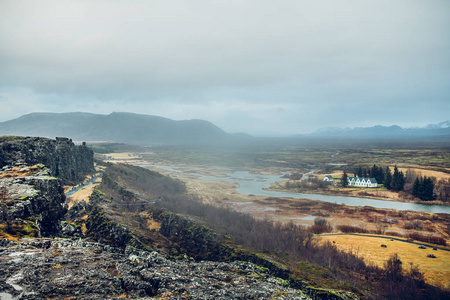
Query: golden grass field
423, 172
123, 157
436, 270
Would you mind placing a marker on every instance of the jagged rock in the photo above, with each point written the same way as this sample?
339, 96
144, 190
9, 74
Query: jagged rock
64, 159
104, 230
34, 269
69, 230
35, 196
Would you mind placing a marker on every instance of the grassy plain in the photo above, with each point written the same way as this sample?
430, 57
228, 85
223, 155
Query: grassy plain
433, 157
436, 270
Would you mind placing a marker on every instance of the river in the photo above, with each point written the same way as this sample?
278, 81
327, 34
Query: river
255, 184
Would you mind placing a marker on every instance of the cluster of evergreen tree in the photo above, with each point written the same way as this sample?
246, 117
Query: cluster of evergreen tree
394, 182
391, 181
398, 180
374, 172
423, 188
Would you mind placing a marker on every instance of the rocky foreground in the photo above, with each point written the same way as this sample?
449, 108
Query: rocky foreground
76, 269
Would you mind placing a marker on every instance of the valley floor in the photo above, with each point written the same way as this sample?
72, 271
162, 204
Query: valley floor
304, 212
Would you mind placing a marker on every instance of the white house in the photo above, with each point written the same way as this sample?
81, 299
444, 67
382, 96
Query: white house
329, 179
362, 181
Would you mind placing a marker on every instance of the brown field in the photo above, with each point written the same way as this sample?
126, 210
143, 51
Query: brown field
436, 270
122, 157
423, 172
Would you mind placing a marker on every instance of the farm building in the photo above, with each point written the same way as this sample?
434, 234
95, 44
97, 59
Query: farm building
362, 181
329, 179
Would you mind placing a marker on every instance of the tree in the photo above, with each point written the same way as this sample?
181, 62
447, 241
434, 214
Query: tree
393, 268
373, 172
416, 188
377, 173
387, 178
427, 189
398, 180
360, 172
395, 178
344, 180
400, 183
423, 188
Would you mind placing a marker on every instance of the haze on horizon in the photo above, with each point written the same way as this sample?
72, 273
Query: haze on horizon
258, 67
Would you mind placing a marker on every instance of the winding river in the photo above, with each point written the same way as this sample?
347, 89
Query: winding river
255, 184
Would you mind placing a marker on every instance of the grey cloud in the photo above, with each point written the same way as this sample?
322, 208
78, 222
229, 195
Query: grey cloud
288, 53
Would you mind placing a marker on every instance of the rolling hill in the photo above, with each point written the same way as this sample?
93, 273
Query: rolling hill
117, 127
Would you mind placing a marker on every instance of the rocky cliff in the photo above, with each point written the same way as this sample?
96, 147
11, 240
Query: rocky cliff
65, 160
31, 201
65, 269
32, 173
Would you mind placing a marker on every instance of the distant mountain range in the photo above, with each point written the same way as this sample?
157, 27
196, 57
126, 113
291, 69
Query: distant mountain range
141, 129
431, 131
117, 127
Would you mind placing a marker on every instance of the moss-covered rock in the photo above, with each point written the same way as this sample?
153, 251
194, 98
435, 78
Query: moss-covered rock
106, 231
64, 159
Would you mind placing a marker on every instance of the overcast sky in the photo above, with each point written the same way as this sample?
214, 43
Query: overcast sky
259, 67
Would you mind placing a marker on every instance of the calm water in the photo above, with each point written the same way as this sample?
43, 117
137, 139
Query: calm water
254, 184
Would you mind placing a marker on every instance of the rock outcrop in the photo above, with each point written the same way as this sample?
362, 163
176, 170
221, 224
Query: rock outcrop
30, 195
66, 269
65, 160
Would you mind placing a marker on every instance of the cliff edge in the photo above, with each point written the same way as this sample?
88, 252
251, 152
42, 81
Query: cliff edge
64, 159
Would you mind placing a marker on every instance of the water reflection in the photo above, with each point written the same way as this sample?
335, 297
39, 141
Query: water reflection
254, 184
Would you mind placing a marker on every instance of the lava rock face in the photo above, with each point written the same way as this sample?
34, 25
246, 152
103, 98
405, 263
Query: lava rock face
31, 194
65, 160
76, 269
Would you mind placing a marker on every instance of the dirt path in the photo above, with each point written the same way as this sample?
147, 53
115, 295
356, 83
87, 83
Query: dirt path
82, 193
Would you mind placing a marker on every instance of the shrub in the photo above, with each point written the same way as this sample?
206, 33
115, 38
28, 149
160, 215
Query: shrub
416, 225
321, 222
428, 239
349, 229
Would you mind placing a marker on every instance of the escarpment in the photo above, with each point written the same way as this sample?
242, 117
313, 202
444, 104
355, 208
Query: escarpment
32, 174
31, 201
65, 160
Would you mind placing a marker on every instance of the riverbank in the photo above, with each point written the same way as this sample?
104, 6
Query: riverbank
375, 194
256, 181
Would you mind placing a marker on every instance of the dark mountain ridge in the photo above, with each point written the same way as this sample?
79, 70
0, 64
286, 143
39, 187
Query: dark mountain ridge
131, 128
434, 132
118, 127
